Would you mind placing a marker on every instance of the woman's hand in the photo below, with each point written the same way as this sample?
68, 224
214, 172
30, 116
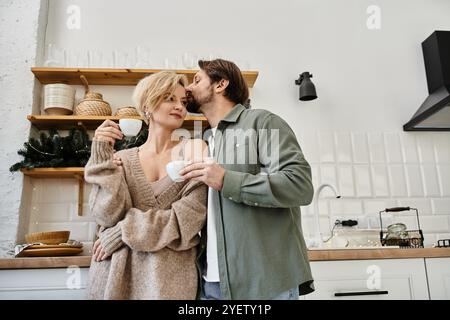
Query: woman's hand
108, 131
117, 160
98, 252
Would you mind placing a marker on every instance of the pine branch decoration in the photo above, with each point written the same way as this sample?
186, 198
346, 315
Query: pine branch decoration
52, 150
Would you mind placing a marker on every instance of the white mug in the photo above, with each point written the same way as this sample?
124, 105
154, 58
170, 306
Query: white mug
130, 127
173, 169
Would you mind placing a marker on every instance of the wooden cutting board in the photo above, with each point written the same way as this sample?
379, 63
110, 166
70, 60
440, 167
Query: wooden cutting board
50, 252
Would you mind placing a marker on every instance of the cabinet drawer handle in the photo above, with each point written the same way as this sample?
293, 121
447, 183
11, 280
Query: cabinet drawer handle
360, 293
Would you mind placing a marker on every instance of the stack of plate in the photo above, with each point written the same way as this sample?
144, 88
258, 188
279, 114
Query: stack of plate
59, 99
51, 250
50, 243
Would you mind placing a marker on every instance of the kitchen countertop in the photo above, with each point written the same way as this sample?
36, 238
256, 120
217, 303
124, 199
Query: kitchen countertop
314, 255
381, 253
45, 262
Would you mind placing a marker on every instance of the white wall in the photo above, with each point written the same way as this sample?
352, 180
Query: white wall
369, 83
22, 25
367, 80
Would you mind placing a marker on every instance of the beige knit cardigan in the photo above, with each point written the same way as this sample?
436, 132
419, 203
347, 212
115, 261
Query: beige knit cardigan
154, 238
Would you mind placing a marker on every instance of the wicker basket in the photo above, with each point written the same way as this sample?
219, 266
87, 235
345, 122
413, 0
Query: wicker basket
49, 237
93, 103
127, 111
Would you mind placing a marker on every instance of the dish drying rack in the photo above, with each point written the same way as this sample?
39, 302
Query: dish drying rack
414, 238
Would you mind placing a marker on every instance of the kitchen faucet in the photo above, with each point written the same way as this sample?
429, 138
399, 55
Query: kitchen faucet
318, 242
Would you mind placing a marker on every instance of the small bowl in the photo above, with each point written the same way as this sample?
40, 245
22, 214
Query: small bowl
49, 237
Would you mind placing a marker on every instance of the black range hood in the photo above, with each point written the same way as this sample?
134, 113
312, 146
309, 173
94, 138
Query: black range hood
434, 113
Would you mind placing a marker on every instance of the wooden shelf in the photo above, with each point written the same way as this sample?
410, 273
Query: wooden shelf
54, 172
118, 77
92, 122
81, 261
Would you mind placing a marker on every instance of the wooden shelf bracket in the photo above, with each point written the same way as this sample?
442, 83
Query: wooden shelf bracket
80, 193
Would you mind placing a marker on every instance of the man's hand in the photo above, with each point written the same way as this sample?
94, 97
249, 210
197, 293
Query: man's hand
98, 252
209, 172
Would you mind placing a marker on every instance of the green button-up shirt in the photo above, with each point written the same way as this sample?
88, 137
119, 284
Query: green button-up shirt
260, 245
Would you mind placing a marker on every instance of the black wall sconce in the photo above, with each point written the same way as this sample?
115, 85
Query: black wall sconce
307, 88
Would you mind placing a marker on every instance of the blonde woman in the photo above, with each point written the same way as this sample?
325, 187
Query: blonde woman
149, 225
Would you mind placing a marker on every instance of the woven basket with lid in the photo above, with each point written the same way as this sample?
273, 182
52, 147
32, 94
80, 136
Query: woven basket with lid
127, 111
93, 103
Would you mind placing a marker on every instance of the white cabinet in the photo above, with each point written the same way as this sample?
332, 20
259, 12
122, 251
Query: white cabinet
438, 270
53, 284
370, 279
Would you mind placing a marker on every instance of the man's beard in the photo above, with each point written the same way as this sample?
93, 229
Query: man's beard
194, 105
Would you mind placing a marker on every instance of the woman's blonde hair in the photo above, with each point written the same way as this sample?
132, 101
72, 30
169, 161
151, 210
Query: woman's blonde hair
153, 89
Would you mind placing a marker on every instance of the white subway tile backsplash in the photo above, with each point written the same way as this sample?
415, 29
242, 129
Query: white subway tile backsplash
444, 179
323, 205
441, 206
343, 147
423, 206
306, 211
372, 171
380, 181
431, 180
315, 175
409, 219
324, 208
435, 224
345, 178
376, 147
326, 143
373, 222
374, 206
308, 226
328, 175
310, 146
414, 181
362, 181
360, 149
410, 154
397, 181
429, 239
442, 147
426, 149
393, 148
442, 236
346, 207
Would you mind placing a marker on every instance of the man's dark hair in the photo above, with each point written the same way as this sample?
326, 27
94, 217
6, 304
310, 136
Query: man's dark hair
218, 69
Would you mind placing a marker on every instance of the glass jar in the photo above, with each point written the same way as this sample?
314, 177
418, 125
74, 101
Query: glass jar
397, 231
